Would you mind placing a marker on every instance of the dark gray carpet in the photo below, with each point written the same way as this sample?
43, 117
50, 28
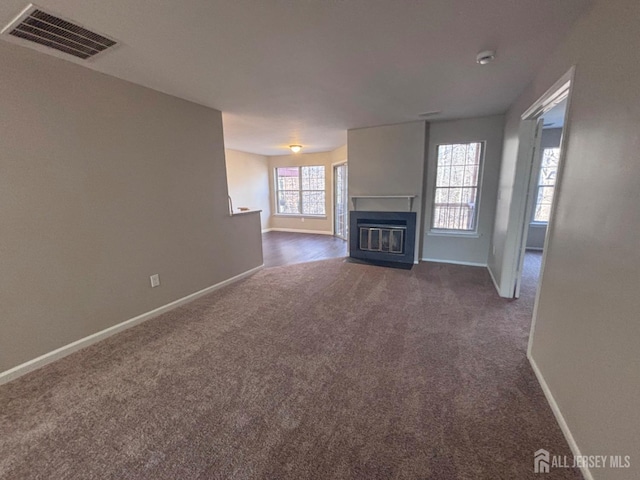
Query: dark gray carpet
324, 370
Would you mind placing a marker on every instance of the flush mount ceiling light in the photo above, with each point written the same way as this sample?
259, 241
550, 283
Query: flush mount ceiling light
295, 148
485, 57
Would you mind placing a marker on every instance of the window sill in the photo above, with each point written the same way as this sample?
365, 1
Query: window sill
453, 233
298, 215
539, 224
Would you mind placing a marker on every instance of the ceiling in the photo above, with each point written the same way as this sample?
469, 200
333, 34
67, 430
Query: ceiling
305, 71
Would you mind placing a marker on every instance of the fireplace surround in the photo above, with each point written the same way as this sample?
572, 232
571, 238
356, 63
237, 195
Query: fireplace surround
383, 238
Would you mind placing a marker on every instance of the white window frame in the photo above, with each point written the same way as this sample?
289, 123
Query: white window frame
453, 232
300, 190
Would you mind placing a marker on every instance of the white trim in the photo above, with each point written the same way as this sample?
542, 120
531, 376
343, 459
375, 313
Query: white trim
333, 196
454, 262
493, 279
559, 417
410, 199
295, 230
62, 352
454, 233
265, 230
299, 215
533, 171
515, 243
566, 131
553, 96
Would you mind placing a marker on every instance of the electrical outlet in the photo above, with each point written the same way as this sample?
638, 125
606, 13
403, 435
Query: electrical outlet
302, 219
494, 250
155, 280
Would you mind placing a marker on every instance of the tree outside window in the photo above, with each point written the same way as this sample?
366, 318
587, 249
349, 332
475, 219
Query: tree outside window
300, 190
458, 174
546, 184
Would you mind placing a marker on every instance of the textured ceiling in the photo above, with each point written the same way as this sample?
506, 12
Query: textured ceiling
302, 71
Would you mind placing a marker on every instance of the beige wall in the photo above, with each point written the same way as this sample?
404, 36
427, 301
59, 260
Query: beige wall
248, 179
339, 155
102, 184
388, 160
298, 222
585, 340
465, 248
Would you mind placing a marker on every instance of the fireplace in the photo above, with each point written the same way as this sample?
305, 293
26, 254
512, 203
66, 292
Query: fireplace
384, 238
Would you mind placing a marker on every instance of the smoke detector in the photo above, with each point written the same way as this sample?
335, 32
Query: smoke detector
485, 57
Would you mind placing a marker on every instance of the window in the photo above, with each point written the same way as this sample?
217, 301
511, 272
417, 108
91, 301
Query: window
457, 181
546, 184
300, 190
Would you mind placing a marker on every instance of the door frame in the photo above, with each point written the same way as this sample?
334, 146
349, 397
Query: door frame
516, 243
534, 170
333, 196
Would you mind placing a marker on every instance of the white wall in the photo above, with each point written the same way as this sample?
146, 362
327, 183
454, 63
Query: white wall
586, 337
104, 183
248, 179
465, 248
388, 160
550, 139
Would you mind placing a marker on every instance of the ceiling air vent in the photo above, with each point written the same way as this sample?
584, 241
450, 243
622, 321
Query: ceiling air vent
38, 26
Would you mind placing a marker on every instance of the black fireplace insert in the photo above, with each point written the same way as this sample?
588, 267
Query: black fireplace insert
383, 238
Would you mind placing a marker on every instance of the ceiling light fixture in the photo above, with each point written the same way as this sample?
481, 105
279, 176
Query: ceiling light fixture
485, 57
295, 148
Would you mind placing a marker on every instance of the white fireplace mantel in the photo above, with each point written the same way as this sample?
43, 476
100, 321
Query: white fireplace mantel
409, 198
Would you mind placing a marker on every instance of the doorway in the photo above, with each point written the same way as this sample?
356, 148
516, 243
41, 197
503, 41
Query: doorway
340, 201
543, 151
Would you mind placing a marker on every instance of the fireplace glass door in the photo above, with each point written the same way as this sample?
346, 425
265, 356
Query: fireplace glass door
382, 238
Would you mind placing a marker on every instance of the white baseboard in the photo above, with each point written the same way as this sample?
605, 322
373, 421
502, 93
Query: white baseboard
454, 262
265, 230
62, 352
559, 417
296, 230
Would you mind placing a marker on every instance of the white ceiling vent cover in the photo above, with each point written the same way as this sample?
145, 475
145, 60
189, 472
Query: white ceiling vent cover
36, 25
